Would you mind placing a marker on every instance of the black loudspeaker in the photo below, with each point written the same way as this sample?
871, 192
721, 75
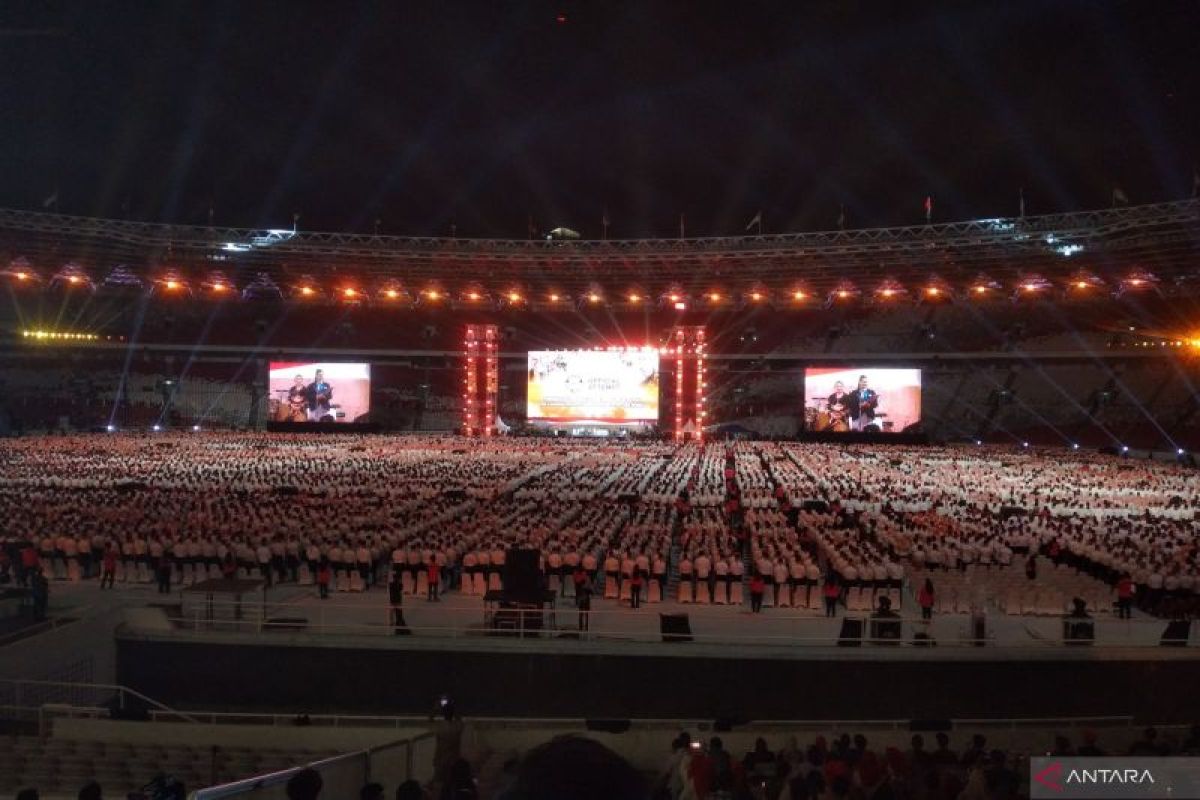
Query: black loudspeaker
607, 725
522, 578
675, 627
1176, 633
1078, 631
851, 635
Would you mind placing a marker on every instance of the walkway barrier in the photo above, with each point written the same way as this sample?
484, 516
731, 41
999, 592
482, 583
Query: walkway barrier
342, 776
779, 627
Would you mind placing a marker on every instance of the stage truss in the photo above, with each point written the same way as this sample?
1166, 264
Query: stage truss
481, 365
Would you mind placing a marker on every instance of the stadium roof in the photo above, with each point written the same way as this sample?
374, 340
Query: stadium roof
1161, 240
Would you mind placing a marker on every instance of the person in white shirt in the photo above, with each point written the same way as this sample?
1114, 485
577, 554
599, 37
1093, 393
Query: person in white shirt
263, 555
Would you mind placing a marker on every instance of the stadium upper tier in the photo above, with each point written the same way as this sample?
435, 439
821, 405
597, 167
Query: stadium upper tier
1113, 249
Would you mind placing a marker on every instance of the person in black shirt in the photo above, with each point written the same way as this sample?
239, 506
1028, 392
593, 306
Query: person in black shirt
583, 602
396, 599
320, 395
862, 404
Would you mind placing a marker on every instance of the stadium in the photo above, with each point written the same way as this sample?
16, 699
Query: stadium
894, 511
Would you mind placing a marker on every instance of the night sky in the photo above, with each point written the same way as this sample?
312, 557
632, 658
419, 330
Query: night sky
478, 115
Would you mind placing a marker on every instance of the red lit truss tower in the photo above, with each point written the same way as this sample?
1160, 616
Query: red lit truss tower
481, 382
687, 349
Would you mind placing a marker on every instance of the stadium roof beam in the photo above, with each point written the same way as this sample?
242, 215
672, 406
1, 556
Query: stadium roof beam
1163, 237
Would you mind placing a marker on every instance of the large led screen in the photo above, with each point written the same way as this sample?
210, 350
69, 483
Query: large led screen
863, 399
319, 391
612, 387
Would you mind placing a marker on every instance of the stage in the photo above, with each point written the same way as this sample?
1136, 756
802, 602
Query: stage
323, 427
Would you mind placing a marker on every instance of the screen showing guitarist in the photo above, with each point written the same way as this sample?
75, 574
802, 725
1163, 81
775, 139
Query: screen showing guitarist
862, 404
297, 401
836, 405
319, 394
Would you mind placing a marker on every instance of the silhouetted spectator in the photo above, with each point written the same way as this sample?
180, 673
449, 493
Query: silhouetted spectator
1089, 748
461, 784
304, 785
409, 790
1149, 745
578, 768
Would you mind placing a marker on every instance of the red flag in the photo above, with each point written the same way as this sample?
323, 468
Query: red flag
928, 208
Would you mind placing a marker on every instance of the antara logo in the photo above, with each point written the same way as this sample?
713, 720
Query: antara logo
1108, 776
1050, 776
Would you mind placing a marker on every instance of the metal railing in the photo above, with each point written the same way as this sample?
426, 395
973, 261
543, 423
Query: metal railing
31, 699
342, 775
647, 723
708, 626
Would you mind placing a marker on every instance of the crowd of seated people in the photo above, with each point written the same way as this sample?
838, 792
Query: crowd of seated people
692, 519
850, 766
934, 766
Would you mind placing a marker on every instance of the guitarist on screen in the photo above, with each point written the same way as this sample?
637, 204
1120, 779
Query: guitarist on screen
862, 403
319, 394
297, 401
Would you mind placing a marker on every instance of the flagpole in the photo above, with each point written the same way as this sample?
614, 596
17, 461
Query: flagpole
681, 231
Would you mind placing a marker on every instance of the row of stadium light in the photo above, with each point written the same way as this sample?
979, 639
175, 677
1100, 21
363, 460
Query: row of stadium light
59, 336
392, 291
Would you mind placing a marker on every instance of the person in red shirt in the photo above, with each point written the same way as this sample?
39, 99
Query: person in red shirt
832, 593
324, 576
635, 589
925, 598
434, 574
29, 562
700, 772
757, 588
1125, 597
108, 567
